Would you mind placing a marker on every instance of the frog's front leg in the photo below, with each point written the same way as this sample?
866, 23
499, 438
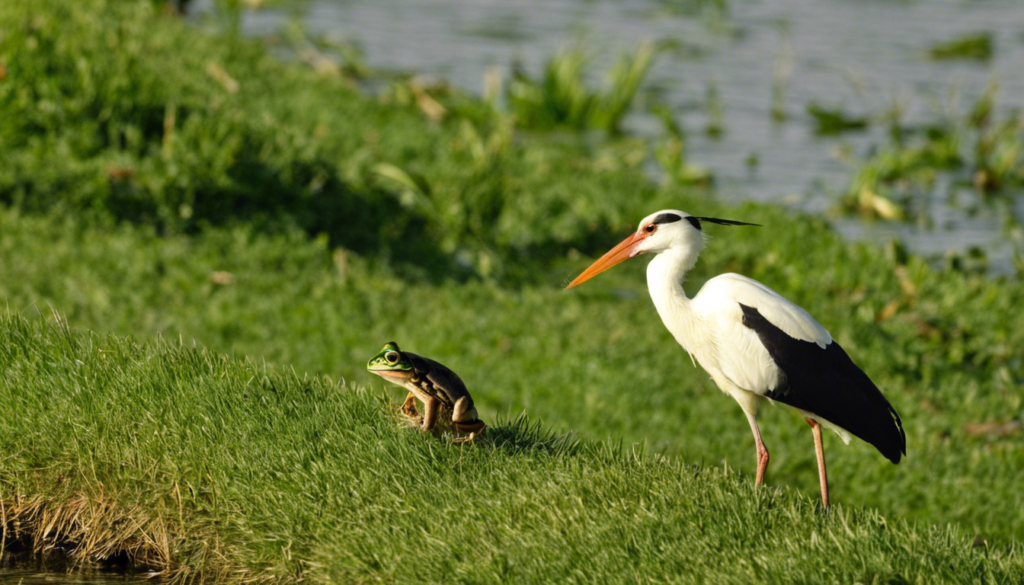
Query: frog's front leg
430, 408
410, 411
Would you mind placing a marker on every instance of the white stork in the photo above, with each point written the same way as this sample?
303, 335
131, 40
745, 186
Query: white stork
756, 345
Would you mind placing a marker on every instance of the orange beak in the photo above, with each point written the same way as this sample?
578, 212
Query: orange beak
620, 253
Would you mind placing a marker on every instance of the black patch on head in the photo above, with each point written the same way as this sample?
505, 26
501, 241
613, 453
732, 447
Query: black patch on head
665, 218
726, 221
695, 222
827, 383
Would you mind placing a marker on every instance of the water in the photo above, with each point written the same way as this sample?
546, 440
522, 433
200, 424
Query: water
864, 56
40, 577
21, 568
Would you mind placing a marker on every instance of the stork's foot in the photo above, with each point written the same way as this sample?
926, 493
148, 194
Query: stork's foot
762, 451
762, 465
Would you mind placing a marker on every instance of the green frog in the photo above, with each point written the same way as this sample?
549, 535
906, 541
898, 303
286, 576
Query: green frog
437, 387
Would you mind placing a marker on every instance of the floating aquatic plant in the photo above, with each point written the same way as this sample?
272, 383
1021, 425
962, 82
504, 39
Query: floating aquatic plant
974, 46
834, 120
979, 149
562, 98
670, 153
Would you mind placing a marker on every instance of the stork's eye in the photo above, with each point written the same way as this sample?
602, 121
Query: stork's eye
650, 228
392, 357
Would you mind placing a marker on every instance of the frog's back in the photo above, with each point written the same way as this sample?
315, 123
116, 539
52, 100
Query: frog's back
448, 383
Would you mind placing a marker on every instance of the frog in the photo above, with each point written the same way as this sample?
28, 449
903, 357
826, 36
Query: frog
436, 386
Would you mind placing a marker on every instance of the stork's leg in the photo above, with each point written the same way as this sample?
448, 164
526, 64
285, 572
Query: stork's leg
762, 451
819, 449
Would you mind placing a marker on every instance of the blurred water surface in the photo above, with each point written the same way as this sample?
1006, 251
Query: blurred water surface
41, 577
866, 57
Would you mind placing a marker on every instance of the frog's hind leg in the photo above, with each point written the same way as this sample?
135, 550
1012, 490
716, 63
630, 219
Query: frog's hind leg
474, 428
463, 410
465, 419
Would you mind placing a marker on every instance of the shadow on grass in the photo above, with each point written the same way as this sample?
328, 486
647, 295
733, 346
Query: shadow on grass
521, 435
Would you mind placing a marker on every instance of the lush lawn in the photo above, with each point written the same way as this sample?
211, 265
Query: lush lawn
218, 465
596, 362
298, 223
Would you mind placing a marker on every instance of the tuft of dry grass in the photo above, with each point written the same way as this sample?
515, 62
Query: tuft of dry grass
88, 530
99, 532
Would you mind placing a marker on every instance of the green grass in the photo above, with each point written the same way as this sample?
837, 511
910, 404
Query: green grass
147, 131
245, 471
597, 361
298, 223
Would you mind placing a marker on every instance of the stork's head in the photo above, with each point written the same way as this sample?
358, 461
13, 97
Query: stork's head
661, 231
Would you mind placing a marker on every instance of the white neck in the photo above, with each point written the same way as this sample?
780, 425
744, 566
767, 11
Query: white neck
665, 274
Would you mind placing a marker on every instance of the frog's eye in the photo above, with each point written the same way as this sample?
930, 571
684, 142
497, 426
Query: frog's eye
392, 357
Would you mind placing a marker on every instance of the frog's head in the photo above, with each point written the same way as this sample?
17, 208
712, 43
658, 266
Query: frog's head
390, 363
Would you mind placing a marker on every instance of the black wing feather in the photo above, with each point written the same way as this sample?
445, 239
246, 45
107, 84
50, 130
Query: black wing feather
826, 382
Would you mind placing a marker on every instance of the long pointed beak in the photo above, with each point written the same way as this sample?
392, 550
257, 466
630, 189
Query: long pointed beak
625, 250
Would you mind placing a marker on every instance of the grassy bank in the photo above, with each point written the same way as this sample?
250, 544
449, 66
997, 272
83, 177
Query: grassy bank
160, 181
579, 361
217, 467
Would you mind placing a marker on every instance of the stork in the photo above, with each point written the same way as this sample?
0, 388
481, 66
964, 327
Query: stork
757, 346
